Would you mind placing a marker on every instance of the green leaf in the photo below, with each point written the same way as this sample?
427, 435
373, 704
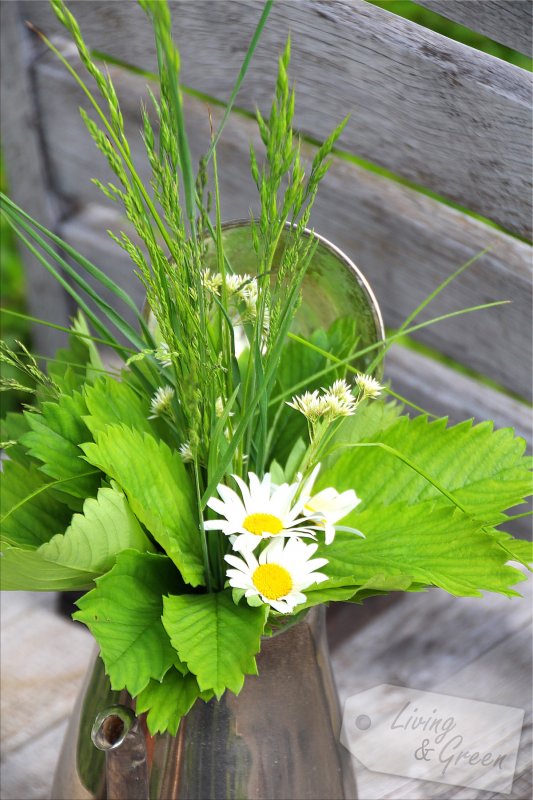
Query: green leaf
94, 538
54, 440
373, 417
12, 427
430, 543
159, 491
215, 638
167, 701
124, 612
378, 584
483, 469
31, 515
114, 402
27, 570
518, 549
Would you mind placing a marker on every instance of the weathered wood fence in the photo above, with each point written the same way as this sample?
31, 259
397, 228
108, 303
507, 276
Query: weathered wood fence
448, 126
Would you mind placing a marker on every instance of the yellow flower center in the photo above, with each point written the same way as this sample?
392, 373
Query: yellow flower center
272, 581
262, 523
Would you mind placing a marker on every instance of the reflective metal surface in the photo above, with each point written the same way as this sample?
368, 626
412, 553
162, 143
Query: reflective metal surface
333, 287
277, 740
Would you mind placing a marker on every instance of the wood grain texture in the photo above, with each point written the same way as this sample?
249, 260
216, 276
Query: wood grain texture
479, 649
43, 661
443, 391
25, 171
436, 112
508, 22
405, 242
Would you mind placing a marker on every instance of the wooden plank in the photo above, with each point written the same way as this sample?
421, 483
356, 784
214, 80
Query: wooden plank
432, 110
26, 173
37, 694
405, 242
469, 647
497, 676
444, 391
508, 22
29, 771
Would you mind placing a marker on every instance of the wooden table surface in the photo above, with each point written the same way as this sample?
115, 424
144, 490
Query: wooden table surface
473, 648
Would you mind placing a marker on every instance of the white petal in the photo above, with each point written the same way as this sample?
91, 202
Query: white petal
244, 490
245, 542
330, 533
217, 506
229, 497
237, 562
214, 524
350, 530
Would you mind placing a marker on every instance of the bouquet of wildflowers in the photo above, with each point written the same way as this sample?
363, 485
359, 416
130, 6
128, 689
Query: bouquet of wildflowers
230, 473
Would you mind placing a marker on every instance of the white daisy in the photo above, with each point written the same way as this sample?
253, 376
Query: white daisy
329, 506
161, 401
262, 511
280, 574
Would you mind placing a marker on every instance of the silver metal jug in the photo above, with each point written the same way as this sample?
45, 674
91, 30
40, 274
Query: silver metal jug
278, 739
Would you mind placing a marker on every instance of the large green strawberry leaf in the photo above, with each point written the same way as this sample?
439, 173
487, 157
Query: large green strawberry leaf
159, 491
94, 538
27, 570
167, 701
430, 543
12, 427
114, 402
54, 440
379, 583
215, 638
124, 612
484, 470
31, 515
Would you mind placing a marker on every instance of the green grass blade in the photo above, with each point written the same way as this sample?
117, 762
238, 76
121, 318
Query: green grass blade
37, 321
104, 307
429, 299
398, 454
44, 488
393, 337
244, 69
90, 268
